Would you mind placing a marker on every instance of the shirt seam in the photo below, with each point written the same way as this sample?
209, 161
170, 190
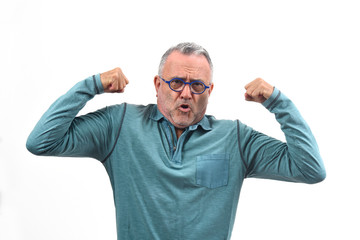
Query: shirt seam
239, 146
118, 134
276, 98
96, 87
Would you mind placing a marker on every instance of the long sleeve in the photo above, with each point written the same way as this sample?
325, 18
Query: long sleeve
297, 160
60, 133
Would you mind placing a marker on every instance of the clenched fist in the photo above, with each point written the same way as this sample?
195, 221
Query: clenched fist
258, 91
114, 81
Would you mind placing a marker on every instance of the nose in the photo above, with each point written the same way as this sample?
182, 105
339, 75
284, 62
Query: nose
186, 92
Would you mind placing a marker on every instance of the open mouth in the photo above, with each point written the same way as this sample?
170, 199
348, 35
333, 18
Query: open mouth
184, 107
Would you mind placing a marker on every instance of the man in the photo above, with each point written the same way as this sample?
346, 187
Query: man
176, 173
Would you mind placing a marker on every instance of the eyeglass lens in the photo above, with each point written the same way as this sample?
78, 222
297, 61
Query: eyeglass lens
178, 85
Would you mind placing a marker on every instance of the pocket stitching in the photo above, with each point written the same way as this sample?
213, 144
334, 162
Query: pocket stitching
209, 176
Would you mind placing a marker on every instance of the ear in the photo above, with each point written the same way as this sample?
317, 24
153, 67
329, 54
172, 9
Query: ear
157, 84
211, 88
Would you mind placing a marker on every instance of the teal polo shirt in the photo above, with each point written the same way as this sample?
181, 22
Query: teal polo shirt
169, 188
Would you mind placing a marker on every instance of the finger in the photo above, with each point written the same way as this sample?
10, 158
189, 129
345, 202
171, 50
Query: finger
123, 80
250, 90
116, 86
247, 86
256, 97
248, 97
251, 84
254, 93
252, 96
122, 84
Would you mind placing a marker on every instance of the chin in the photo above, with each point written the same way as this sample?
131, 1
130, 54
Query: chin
183, 121
184, 124
181, 125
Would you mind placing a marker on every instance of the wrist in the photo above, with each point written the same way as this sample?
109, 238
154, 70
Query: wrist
98, 84
272, 99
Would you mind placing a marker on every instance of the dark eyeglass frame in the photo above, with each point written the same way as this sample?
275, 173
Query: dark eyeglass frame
185, 83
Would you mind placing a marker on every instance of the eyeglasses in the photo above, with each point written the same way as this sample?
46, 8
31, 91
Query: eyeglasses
177, 85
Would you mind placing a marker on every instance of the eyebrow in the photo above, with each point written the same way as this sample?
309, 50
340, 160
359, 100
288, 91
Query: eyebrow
183, 78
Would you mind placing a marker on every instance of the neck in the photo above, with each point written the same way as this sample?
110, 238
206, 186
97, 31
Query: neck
179, 131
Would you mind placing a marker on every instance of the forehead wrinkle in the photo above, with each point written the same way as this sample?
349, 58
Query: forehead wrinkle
191, 73
192, 70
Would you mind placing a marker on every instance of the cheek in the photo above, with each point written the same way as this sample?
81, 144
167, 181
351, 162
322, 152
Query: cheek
165, 100
202, 102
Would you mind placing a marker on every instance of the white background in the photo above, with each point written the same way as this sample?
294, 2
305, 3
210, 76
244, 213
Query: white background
309, 49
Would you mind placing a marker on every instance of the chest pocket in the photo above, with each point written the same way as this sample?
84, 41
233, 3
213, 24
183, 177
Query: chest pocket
212, 170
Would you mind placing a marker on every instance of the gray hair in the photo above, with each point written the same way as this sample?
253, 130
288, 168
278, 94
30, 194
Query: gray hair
186, 48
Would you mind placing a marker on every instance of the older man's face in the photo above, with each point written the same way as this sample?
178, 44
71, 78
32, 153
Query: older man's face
184, 108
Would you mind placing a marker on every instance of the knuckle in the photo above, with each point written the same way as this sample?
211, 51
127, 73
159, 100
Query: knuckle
117, 72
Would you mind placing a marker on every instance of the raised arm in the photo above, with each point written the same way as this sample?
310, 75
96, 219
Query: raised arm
297, 160
60, 133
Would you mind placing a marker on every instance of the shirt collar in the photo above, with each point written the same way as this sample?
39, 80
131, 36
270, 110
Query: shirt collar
156, 115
